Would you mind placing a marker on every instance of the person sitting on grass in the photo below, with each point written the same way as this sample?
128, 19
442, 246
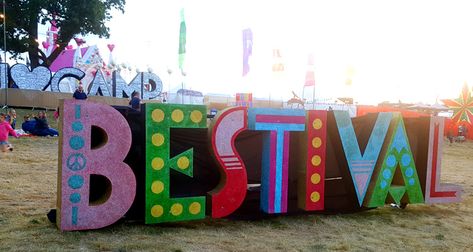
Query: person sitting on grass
42, 127
5, 129
28, 124
11, 118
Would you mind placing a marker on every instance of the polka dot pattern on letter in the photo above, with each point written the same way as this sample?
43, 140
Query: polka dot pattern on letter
157, 139
157, 187
76, 142
157, 115
316, 142
316, 160
75, 181
194, 208
196, 116
315, 178
177, 115
315, 197
157, 211
183, 163
176, 209
317, 124
157, 163
406, 159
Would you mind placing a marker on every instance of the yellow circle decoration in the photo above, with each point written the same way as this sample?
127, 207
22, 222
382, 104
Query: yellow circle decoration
317, 124
177, 115
183, 163
194, 208
315, 178
196, 116
157, 139
157, 211
157, 163
157, 115
314, 197
157, 187
176, 209
316, 160
316, 142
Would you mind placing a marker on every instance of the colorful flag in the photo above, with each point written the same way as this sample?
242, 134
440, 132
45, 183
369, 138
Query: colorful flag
244, 99
350, 73
247, 49
310, 76
182, 41
278, 65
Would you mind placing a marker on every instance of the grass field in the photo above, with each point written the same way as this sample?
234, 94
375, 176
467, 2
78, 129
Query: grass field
28, 191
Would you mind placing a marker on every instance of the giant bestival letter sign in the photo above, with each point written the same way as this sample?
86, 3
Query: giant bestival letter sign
95, 139
160, 118
78, 159
231, 191
274, 177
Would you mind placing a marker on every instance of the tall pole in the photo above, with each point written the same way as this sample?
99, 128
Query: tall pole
5, 53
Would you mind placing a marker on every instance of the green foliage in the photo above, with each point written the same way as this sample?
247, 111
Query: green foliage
72, 17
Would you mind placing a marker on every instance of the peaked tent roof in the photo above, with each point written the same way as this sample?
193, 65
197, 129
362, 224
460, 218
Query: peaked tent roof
65, 59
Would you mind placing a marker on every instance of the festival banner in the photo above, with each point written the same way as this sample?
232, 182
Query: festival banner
247, 49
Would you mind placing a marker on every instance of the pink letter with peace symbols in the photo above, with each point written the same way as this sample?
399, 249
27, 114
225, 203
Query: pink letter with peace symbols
78, 160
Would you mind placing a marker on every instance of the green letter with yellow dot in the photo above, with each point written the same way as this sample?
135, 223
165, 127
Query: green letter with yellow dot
160, 118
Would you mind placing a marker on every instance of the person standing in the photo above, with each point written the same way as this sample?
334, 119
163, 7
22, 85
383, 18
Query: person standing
5, 129
79, 94
135, 100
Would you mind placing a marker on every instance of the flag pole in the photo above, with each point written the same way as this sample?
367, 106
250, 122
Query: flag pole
313, 95
5, 54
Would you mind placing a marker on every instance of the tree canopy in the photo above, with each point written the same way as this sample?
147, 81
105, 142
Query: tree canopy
72, 18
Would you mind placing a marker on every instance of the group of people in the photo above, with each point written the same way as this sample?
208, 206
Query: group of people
135, 101
38, 125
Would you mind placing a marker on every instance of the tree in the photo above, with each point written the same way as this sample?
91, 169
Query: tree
72, 17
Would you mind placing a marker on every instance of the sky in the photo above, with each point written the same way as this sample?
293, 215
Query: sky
412, 51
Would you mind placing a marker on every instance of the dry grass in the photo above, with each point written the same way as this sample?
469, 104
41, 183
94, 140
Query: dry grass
28, 191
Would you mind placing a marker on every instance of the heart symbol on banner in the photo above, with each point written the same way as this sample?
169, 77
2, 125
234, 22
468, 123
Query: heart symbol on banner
45, 44
110, 47
69, 47
26, 79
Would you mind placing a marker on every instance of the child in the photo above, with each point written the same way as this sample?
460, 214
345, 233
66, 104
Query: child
5, 129
11, 118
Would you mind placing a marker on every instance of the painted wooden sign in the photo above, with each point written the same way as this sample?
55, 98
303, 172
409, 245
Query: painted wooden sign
435, 192
40, 78
160, 118
231, 191
277, 123
78, 160
312, 182
299, 163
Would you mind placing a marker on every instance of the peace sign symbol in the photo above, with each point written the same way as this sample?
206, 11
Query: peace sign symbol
76, 162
